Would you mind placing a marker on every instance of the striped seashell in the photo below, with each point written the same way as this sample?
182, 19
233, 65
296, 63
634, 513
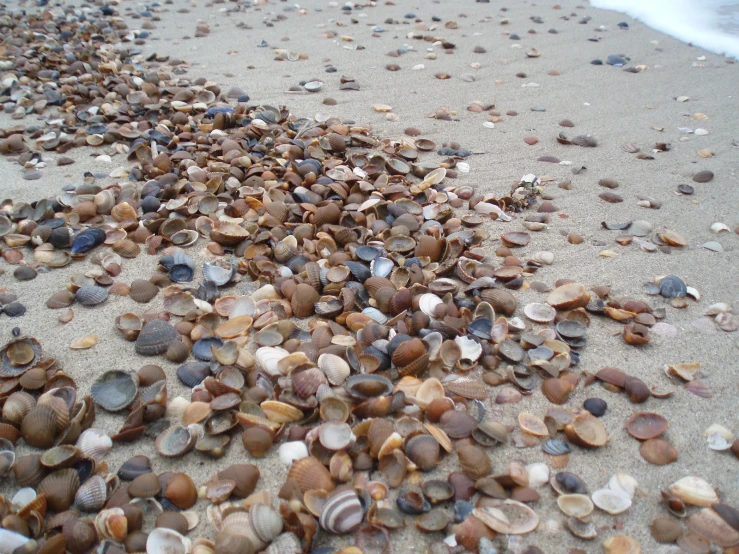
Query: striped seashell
91, 295
342, 512
95, 444
266, 522
91, 496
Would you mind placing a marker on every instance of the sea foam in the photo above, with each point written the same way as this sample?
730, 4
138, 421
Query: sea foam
696, 21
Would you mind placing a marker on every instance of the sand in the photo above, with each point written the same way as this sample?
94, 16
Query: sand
616, 106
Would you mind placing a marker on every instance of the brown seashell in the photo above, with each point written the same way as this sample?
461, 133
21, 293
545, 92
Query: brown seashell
646, 425
502, 301
423, 450
310, 474
60, 299
59, 488
586, 430
79, 535
474, 462
257, 441
40, 426
665, 530
569, 297
408, 351
636, 389
658, 452
303, 300
621, 544
145, 485
123, 212
126, 248
244, 475
28, 470
457, 424
180, 491
143, 291
557, 391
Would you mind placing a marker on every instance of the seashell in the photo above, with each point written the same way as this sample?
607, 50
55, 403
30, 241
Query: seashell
457, 424
86, 240
621, 544
266, 522
60, 299
180, 491
568, 297
474, 461
162, 539
508, 517
342, 512
423, 450
143, 291
129, 325
28, 470
610, 501
586, 430
133, 467
91, 496
532, 424
646, 425
280, 412
17, 406
575, 505
59, 488
144, 486
155, 337
40, 427
115, 390
428, 303
176, 441
665, 530
310, 474
94, 443
539, 313
303, 300
228, 234
60, 456
335, 368
335, 435
694, 490
18, 355
218, 274
502, 301
658, 452
557, 391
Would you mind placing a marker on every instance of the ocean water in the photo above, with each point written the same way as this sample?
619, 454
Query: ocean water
710, 24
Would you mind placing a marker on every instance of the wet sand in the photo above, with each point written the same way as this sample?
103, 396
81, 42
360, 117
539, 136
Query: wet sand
614, 105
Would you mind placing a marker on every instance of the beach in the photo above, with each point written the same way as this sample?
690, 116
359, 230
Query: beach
524, 88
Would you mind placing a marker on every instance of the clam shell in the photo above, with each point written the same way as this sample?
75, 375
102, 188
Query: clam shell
502, 301
334, 367
176, 441
143, 291
665, 530
694, 490
144, 486
335, 435
166, 540
18, 355
60, 488
586, 430
60, 299
342, 512
310, 474
539, 313
575, 505
40, 427
424, 451
610, 501
91, 295
115, 390
568, 297
646, 425
133, 467
266, 522
155, 337
94, 443
91, 496
508, 517
474, 461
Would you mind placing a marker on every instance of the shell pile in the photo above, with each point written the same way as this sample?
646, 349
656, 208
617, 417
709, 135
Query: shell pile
322, 294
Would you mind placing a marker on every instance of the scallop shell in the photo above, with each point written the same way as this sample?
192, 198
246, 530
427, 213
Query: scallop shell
266, 522
335, 368
155, 337
694, 490
143, 291
91, 295
60, 488
539, 313
610, 501
40, 426
502, 301
91, 496
94, 443
310, 474
424, 451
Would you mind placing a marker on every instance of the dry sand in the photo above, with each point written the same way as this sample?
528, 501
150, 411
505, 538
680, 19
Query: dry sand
614, 105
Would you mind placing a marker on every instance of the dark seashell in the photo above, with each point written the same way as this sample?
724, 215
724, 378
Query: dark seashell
155, 337
481, 327
569, 483
115, 390
672, 287
413, 503
14, 309
596, 406
462, 509
180, 266
87, 240
555, 447
19, 355
25, 273
368, 386
368, 253
360, 271
91, 295
201, 349
60, 237
133, 467
193, 373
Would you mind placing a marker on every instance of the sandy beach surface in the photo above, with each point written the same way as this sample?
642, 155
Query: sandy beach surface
676, 90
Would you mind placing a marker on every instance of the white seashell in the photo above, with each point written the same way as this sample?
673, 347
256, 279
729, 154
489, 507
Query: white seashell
575, 505
10, 541
623, 484
428, 391
487, 208
610, 501
718, 308
375, 314
95, 444
471, 350
381, 267
162, 540
693, 293
176, 407
720, 228
538, 474
23, 497
718, 437
244, 305
434, 341
428, 302
335, 368
717, 442
268, 358
336, 435
291, 451
540, 313
545, 257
